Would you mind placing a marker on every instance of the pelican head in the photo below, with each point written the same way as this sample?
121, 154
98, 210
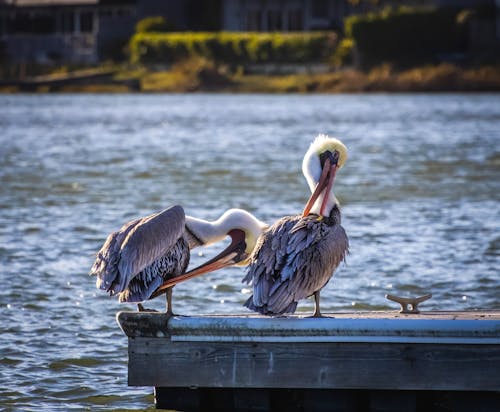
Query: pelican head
320, 164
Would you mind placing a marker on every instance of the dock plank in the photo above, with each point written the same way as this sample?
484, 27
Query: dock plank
313, 365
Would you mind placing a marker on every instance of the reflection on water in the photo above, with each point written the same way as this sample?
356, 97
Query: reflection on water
420, 196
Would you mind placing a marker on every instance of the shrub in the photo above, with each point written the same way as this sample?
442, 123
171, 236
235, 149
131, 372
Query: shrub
152, 24
232, 48
343, 53
406, 35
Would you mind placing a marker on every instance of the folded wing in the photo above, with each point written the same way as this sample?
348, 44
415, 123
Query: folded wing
135, 246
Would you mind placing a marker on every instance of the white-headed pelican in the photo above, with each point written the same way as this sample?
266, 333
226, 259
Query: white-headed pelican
143, 254
296, 257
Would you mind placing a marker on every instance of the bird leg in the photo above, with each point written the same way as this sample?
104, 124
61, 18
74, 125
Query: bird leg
169, 302
317, 311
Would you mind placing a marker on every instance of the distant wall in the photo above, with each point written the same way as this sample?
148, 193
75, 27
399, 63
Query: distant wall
277, 15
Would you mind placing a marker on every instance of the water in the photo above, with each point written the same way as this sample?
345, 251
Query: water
420, 196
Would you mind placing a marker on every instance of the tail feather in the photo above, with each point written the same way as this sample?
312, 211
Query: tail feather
139, 290
107, 272
105, 266
106, 263
264, 310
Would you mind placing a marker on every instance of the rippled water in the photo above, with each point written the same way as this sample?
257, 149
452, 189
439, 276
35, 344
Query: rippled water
420, 196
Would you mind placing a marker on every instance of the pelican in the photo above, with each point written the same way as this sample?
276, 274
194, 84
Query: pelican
136, 261
296, 257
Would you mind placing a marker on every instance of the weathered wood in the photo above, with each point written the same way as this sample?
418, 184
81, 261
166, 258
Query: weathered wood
385, 327
387, 351
153, 362
144, 324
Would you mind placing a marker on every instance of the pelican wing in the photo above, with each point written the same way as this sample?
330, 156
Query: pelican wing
148, 241
135, 246
295, 258
268, 259
314, 266
105, 266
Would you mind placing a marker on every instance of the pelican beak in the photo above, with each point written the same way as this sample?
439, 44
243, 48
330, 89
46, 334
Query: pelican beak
325, 183
232, 255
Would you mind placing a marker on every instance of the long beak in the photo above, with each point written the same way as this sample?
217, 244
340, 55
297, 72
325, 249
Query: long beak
325, 181
229, 256
328, 191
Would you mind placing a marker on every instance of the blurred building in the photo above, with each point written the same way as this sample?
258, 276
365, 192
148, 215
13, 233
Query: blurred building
277, 15
60, 31
292, 15
497, 18
88, 31
75, 31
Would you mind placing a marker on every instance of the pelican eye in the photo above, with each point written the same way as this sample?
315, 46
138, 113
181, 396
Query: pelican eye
327, 154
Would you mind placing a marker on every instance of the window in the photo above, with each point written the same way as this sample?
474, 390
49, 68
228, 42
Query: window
274, 20
20, 23
253, 20
67, 21
86, 21
295, 21
319, 9
3, 24
42, 23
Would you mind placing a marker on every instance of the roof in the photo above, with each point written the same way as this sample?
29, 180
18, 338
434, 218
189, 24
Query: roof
34, 3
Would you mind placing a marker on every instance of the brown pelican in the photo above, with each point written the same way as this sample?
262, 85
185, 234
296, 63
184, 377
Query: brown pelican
296, 257
137, 259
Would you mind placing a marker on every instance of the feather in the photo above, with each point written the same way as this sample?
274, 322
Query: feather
136, 257
296, 257
105, 266
148, 241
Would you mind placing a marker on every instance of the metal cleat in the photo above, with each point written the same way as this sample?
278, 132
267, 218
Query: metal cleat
408, 305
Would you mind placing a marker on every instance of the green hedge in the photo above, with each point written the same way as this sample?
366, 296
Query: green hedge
152, 24
405, 35
232, 47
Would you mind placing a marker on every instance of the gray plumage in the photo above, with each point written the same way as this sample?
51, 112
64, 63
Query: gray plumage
294, 259
135, 260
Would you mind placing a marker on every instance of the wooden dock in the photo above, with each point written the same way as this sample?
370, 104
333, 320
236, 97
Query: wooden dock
366, 361
55, 82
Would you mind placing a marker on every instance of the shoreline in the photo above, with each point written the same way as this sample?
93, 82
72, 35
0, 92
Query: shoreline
206, 77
